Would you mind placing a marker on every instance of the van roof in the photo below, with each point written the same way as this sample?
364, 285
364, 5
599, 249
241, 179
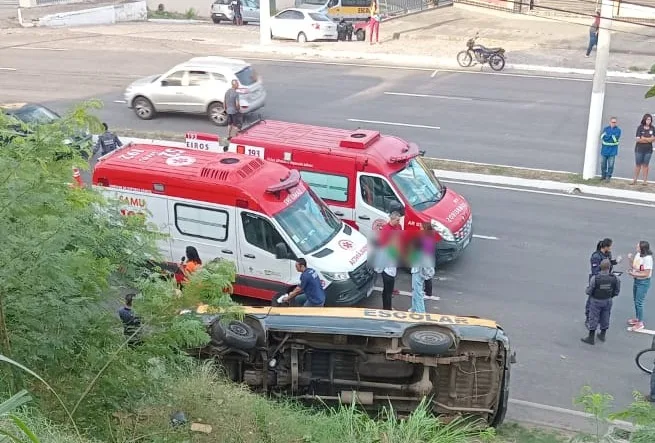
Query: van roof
221, 178
279, 135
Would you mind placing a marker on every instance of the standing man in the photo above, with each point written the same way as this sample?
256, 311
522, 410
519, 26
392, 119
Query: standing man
310, 286
107, 141
232, 109
609, 149
131, 323
601, 290
593, 33
388, 258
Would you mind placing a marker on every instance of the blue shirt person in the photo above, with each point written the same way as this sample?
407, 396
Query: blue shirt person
310, 286
609, 148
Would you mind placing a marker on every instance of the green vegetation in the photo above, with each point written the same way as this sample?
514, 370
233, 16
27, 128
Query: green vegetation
161, 13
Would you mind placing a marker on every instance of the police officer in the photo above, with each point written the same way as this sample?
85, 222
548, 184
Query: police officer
107, 142
602, 288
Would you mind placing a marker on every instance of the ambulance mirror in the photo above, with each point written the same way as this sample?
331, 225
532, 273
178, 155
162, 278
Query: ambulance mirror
281, 251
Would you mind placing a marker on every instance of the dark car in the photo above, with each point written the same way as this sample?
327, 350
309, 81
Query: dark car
461, 365
27, 115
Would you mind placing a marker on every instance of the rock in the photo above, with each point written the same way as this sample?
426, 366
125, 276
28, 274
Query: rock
201, 427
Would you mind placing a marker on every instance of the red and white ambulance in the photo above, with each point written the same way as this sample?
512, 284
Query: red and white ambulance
258, 214
361, 174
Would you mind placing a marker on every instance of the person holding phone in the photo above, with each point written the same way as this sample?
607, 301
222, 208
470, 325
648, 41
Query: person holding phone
188, 265
644, 147
641, 271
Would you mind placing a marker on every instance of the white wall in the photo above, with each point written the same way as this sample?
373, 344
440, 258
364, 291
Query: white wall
628, 10
126, 12
202, 7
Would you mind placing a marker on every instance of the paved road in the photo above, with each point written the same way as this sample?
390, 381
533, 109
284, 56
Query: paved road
517, 120
532, 278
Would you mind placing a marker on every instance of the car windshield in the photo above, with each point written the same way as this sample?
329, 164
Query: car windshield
319, 17
419, 186
247, 76
35, 114
309, 222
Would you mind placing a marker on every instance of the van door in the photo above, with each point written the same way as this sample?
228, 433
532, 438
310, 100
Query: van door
210, 229
169, 94
374, 200
258, 266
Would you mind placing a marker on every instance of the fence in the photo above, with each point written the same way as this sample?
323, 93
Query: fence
392, 8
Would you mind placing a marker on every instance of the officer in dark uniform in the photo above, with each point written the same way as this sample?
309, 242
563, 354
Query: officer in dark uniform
131, 322
602, 288
107, 142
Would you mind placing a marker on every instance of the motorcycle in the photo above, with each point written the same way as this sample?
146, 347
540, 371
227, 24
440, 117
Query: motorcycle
483, 55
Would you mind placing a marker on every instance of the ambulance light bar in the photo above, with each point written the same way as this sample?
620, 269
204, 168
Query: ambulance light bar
408, 152
290, 181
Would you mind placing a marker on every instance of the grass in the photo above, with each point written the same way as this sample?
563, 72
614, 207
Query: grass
162, 14
514, 433
652, 69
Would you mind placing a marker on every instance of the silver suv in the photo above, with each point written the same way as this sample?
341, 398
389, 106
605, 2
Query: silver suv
197, 86
223, 10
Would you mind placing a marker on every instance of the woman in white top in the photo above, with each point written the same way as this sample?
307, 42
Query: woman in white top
641, 271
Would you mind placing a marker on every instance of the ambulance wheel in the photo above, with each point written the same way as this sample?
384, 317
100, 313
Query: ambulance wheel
216, 113
428, 341
235, 334
361, 35
143, 108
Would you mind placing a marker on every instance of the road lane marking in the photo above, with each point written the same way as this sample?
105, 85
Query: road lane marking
39, 48
378, 122
120, 101
434, 72
7, 69
557, 194
444, 97
485, 237
406, 293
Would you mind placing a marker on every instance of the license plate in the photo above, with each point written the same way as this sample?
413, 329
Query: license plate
466, 242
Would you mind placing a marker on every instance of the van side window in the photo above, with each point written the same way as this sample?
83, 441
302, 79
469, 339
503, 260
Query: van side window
219, 77
195, 221
376, 192
327, 186
260, 233
198, 78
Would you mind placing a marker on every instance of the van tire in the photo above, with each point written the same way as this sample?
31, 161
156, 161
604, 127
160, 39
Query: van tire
216, 20
361, 35
216, 113
302, 38
236, 334
143, 108
429, 341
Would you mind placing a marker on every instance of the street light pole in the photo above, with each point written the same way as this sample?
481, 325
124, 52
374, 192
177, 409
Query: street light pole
598, 91
264, 22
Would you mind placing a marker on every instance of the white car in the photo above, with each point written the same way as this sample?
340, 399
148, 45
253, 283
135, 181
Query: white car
303, 25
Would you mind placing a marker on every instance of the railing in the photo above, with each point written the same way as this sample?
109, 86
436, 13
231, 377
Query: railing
392, 8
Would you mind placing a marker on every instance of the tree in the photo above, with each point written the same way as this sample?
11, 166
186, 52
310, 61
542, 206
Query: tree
66, 254
651, 92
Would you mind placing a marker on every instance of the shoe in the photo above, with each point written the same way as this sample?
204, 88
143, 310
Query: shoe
637, 326
590, 339
601, 335
586, 55
633, 321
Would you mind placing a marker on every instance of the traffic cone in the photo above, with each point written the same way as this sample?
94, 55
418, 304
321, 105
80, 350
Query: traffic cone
77, 178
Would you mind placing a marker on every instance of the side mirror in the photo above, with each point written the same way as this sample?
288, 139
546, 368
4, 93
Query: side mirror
281, 251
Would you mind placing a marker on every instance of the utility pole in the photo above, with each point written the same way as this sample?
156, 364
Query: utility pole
598, 91
264, 22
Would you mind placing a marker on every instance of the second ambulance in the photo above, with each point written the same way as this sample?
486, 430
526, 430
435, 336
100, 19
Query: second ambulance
258, 214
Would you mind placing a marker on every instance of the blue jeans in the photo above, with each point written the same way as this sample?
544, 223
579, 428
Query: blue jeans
640, 288
593, 41
301, 300
607, 166
418, 302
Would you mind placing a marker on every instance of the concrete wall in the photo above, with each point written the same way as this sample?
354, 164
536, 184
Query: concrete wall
202, 7
126, 12
629, 10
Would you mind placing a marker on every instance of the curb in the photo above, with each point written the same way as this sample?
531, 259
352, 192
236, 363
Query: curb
423, 61
176, 21
549, 185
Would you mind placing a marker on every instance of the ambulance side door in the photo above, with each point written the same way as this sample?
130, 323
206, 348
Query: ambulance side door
208, 228
257, 264
373, 201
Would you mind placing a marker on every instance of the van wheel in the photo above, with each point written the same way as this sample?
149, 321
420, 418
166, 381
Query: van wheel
361, 35
143, 108
428, 341
216, 20
235, 334
216, 113
302, 38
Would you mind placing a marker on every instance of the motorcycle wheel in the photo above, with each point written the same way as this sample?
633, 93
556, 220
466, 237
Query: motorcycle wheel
497, 62
464, 59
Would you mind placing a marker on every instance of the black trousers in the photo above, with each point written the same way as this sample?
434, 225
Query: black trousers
388, 283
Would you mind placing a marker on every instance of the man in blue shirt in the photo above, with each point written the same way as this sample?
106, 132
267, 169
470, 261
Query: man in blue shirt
131, 322
610, 148
310, 286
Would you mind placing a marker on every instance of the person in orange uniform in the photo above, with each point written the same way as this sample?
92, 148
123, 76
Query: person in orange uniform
190, 264
375, 22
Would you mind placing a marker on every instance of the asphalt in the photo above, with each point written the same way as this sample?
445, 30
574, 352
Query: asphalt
531, 279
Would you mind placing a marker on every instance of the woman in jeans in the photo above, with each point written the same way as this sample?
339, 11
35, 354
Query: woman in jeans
641, 271
644, 147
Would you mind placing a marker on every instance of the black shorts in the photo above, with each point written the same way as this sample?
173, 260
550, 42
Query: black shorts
234, 120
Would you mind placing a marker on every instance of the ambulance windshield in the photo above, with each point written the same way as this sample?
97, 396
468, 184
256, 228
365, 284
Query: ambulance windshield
309, 222
419, 186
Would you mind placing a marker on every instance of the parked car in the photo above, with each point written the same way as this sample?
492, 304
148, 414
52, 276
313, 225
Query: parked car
461, 365
26, 115
197, 86
221, 10
303, 25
